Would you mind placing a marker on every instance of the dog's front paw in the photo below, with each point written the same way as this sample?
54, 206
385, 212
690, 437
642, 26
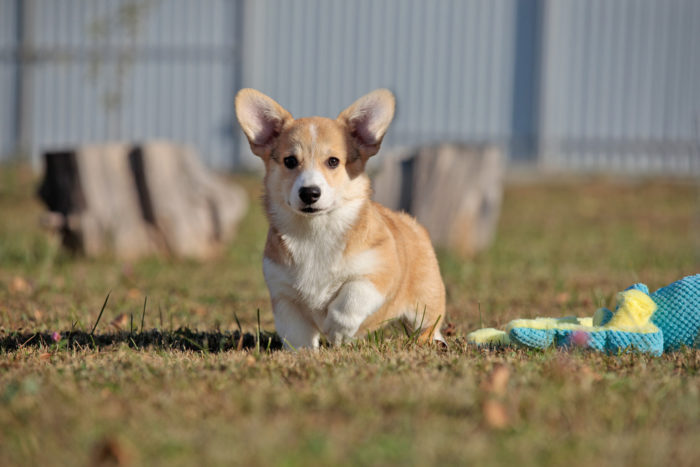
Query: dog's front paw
356, 301
339, 329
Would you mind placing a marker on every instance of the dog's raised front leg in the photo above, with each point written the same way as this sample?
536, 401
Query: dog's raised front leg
295, 330
355, 301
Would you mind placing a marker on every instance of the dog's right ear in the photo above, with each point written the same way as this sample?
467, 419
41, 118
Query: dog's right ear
262, 120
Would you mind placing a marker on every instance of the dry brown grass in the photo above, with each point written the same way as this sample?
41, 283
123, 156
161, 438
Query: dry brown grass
563, 248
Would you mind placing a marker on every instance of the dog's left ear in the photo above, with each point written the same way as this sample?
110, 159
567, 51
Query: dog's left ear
367, 120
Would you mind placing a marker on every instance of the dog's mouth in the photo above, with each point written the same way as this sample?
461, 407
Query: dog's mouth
310, 210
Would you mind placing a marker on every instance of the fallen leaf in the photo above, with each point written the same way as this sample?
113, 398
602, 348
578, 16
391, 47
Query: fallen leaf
128, 271
120, 321
45, 356
109, 451
562, 298
589, 373
495, 414
133, 294
20, 285
497, 382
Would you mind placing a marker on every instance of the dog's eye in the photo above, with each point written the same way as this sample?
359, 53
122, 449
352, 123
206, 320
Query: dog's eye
290, 162
333, 162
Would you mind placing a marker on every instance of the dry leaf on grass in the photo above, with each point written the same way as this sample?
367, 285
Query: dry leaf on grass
120, 321
562, 298
495, 414
497, 382
134, 294
20, 285
496, 386
449, 330
110, 451
589, 373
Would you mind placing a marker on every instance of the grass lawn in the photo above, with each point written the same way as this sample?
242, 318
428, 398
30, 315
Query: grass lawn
564, 247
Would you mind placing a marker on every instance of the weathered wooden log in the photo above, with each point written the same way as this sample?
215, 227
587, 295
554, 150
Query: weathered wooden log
136, 200
455, 191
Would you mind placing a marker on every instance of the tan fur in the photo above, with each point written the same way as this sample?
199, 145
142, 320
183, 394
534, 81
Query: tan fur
409, 275
406, 271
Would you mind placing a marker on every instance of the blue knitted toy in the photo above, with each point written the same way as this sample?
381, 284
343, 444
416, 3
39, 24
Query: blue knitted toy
678, 313
663, 321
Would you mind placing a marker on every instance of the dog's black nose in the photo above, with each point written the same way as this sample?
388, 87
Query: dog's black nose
309, 194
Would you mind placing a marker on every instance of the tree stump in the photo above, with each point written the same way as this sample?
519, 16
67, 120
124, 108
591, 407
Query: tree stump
455, 191
136, 200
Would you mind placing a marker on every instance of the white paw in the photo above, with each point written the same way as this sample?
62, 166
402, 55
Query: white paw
355, 302
338, 329
293, 327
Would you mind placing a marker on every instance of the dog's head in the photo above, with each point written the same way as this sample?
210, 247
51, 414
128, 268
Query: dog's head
314, 165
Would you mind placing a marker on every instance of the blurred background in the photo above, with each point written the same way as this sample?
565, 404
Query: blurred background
559, 85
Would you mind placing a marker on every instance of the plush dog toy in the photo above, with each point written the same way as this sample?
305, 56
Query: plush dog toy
642, 322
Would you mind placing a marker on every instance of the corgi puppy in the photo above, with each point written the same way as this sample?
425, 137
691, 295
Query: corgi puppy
336, 263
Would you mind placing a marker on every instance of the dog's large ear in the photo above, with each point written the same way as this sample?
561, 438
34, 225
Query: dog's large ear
367, 120
261, 119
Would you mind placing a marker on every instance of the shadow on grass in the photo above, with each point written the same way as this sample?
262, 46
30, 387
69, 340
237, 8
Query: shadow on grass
180, 339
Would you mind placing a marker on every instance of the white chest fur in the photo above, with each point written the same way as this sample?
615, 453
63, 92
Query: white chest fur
317, 271
319, 266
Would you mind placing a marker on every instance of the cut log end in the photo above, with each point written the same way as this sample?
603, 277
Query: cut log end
136, 200
454, 191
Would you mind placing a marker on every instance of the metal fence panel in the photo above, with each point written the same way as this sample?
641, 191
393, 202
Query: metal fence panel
620, 85
450, 63
8, 36
580, 85
116, 70
7, 131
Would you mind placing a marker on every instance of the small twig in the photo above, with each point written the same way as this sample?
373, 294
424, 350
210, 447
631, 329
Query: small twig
238, 323
27, 341
405, 329
257, 337
290, 345
193, 343
104, 305
143, 314
422, 320
415, 335
432, 329
239, 346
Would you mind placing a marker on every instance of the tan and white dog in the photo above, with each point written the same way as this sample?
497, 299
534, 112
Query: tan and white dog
336, 263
